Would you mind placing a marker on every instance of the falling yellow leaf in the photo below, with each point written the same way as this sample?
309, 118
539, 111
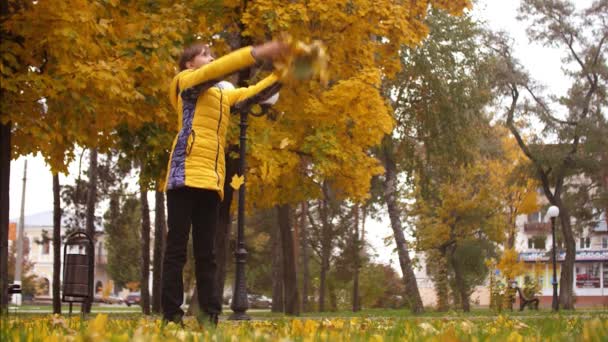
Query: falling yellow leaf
304, 62
284, 143
237, 181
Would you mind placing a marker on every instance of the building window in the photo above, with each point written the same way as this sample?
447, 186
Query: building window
604, 242
537, 242
588, 275
585, 242
46, 247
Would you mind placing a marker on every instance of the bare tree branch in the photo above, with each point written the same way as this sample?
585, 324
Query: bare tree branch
547, 112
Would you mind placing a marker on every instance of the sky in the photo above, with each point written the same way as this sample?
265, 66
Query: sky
543, 64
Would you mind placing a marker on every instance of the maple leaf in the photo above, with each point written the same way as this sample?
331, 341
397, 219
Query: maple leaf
237, 181
284, 143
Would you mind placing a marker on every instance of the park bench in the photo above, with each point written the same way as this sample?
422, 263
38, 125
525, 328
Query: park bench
523, 301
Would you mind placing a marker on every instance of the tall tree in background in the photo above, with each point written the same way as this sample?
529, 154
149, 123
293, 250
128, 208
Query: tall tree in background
160, 233
357, 237
520, 187
56, 245
90, 208
123, 227
304, 256
574, 129
465, 209
5, 168
278, 293
438, 99
390, 194
28, 279
91, 195
145, 250
290, 282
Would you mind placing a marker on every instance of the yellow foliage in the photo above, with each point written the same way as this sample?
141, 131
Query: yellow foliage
132, 286
101, 64
303, 62
468, 203
510, 265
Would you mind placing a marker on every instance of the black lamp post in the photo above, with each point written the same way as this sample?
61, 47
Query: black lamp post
240, 304
553, 212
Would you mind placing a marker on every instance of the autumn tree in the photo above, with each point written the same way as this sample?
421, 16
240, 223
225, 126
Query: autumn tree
437, 99
89, 69
520, 186
76, 84
122, 226
570, 134
28, 280
464, 213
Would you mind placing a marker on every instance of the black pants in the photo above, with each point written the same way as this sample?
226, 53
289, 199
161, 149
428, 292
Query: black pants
199, 208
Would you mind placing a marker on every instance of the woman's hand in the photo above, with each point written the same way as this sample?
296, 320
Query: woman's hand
270, 51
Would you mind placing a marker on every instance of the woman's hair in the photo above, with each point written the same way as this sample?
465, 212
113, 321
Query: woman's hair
189, 53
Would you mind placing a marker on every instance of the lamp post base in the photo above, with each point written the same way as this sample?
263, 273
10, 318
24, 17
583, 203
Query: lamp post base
555, 303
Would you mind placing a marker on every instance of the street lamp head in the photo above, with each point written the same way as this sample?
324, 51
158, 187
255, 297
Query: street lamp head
553, 211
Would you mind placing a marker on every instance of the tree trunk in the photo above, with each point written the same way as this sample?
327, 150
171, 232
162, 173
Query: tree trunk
160, 233
92, 194
511, 228
566, 282
325, 252
304, 257
333, 297
290, 281
145, 250
461, 288
90, 212
437, 267
278, 295
56, 245
322, 284
556, 181
356, 263
5, 177
390, 196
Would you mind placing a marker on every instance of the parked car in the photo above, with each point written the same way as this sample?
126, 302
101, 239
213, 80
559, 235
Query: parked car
257, 301
113, 300
98, 298
133, 298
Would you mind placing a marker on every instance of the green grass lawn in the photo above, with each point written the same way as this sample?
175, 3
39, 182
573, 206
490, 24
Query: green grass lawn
260, 314
368, 325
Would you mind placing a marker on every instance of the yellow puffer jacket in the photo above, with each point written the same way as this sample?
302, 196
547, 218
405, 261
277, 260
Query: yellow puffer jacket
203, 113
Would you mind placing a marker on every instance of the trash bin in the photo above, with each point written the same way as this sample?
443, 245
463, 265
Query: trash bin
78, 263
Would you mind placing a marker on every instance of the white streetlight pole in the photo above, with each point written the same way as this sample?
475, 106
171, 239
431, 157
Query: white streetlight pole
552, 213
20, 240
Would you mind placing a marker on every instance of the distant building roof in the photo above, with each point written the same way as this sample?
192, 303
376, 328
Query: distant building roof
43, 219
